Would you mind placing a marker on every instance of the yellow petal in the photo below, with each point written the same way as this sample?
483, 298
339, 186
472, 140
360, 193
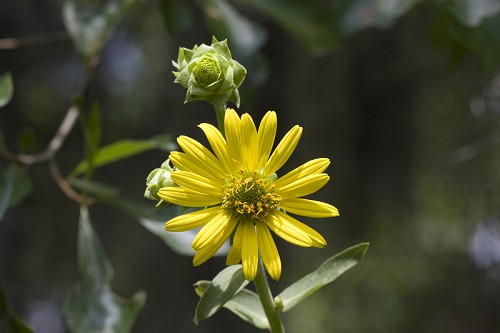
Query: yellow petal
249, 251
265, 138
312, 167
232, 128
283, 151
234, 255
192, 164
289, 222
287, 231
208, 251
248, 139
303, 186
184, 197
268, 251
219, 146
211, 231
192, 220
309, 208
197, 183
202, 156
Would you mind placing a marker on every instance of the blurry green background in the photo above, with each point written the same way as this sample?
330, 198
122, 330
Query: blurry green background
402, 96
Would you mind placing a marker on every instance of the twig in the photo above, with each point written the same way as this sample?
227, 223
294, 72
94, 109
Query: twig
64, 186
33, 40
54, 145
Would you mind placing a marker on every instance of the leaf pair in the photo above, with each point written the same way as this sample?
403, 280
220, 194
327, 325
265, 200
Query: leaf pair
227, 289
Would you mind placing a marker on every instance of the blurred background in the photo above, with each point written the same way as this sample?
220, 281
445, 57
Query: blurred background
402, 96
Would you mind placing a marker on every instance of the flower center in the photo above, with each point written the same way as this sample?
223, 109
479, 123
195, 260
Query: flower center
251, 197
206, 71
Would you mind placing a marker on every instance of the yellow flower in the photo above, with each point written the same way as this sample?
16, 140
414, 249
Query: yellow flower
241, 194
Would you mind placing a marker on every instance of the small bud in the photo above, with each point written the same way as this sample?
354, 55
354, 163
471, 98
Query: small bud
157, 179
210, 73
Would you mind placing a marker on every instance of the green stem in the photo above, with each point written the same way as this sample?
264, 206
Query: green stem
266, 298
220, 112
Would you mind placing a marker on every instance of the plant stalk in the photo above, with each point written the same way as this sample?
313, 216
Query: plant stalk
220, 112
266, 298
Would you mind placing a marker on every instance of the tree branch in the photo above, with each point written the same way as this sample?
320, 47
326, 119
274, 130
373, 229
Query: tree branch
33, 40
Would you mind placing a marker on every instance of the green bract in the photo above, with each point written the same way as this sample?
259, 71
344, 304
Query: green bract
210, 73
157, 179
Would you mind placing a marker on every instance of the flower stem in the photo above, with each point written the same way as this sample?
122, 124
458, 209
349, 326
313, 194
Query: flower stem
267, 301
220, 112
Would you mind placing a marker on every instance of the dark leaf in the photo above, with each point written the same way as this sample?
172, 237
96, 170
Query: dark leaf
92, 306
91, 23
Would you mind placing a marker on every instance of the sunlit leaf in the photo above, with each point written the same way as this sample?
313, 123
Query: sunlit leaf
308, 22
154, 221
176, 15
21, 184
92, 306
91, 22
245, 37
9, 322
245, 304
123, 149
330, 270
221, 289
5, 192
6, 89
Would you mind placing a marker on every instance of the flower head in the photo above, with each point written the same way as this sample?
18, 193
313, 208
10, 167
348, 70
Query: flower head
210, 73
242, 197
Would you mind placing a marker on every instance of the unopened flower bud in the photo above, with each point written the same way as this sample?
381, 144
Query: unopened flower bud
158, 178
210, 73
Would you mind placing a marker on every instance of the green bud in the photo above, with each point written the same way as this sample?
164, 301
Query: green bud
210, 73
157, 179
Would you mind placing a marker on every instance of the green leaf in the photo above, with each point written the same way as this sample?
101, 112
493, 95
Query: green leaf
9, 322
123, 149
222, 288
176, 15
14, 186
91, 126
101, 190
154, 221
245, 304
330, 270
354, 16
21, 184
245, 37
5, 192
306, 21
92, 306
27, 141
91, 23
6, 89
482, 40
473, 12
